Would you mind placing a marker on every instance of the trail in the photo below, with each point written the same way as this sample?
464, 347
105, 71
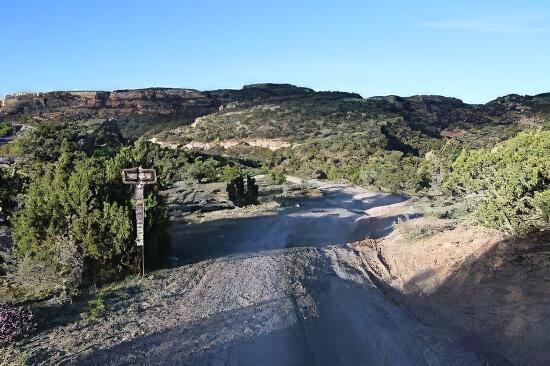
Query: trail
340, 216
284, 289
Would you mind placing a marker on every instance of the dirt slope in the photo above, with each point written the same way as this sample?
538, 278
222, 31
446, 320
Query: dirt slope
493, 290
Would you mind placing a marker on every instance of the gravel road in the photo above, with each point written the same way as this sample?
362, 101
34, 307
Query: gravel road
284, 289
340, 216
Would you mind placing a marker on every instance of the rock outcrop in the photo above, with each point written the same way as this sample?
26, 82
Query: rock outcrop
154, 102
428, 113
433, 113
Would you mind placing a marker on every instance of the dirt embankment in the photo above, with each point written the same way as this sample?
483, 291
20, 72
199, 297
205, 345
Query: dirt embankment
491, 289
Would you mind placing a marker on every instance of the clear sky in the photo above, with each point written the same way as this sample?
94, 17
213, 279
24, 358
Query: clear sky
472, 49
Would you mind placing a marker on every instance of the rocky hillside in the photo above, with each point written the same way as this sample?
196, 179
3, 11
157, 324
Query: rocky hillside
322, 114
269, 111
99, 104
145, 104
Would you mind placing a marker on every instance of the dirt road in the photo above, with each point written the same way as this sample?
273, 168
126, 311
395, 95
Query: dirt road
255, 301
338, 217
284, 289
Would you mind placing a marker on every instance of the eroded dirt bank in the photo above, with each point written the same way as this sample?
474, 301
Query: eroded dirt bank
492, 290
290, 289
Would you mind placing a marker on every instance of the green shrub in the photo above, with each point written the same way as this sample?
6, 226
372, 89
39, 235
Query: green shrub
7, 191
276, 176
205, 171
230, 172
100, 299
542, 201
395, 172
47, 140
511, 180
78, 213
6, 129
243, 191
95, 308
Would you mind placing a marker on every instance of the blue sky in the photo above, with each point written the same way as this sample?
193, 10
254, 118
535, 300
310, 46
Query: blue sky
473, 50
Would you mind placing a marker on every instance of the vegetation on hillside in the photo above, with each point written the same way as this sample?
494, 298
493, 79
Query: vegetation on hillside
76, 216
417, 145
7, 191
511, 182
78, 219
6, 129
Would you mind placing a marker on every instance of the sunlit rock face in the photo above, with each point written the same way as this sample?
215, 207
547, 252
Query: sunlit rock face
140, 110
119, 103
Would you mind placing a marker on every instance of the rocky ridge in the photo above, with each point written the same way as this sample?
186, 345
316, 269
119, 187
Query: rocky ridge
185, 105
104, 104
153, 102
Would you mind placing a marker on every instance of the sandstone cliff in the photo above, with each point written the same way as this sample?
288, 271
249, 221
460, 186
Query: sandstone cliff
104, 104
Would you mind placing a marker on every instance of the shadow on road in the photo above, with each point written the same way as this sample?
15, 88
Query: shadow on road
325, 320
337, 218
